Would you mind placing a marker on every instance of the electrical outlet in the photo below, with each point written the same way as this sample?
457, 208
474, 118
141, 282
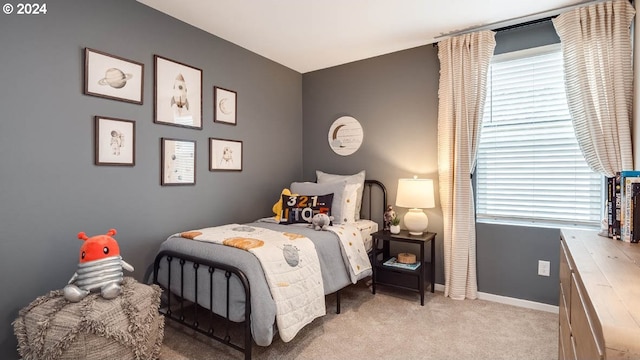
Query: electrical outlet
544, 268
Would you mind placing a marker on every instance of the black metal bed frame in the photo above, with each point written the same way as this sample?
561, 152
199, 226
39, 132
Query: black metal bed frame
187, 261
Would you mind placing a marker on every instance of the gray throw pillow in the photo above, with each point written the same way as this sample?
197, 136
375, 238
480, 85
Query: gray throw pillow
335, 188
358, 178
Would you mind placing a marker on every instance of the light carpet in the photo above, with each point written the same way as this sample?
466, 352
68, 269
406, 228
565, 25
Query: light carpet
393, 325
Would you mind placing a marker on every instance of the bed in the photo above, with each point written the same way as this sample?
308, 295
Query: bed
216, 289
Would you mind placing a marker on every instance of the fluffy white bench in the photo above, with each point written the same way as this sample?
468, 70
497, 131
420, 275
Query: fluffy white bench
127, 327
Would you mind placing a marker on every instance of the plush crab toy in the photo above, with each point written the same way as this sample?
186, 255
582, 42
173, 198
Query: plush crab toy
100, 268
320, 221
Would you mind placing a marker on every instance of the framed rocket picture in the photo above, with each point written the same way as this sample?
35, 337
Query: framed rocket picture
177, 94
112, 77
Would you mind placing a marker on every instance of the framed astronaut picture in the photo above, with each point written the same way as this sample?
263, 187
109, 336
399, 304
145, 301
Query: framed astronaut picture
115, 141
225, 155
177, 94
178, 162
226, 106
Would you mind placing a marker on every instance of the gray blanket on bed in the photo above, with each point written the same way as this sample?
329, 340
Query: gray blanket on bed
335, 276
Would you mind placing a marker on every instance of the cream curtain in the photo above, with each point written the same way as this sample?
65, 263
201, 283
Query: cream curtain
464, 62
596, 45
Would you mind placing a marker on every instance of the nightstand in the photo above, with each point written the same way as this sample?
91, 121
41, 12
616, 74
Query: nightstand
399, 277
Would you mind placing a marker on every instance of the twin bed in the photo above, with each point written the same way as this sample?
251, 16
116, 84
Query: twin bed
218, 279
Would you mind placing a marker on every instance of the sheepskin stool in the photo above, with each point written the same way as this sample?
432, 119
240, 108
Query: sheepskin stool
127, 327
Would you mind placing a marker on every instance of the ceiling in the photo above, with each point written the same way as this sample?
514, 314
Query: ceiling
308, 35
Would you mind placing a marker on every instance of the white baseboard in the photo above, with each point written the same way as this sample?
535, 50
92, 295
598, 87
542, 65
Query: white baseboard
511, 301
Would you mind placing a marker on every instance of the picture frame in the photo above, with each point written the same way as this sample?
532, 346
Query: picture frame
178, 159
225, 155
177, 94
115, 141
226, 105
113, 77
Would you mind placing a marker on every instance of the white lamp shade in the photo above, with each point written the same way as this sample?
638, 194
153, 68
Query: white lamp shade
415, 194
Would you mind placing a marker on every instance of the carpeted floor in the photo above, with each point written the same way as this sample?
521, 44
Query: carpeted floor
393, 325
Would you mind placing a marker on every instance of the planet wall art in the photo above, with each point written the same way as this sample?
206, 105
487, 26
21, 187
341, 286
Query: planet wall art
345, 135
115, 78
112, 77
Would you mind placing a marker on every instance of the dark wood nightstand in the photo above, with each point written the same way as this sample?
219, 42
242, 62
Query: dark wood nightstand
400, 277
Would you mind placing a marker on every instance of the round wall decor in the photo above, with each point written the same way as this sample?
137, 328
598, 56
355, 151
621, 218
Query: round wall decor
345, 135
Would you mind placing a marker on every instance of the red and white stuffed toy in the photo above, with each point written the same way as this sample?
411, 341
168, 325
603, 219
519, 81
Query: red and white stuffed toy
100, 268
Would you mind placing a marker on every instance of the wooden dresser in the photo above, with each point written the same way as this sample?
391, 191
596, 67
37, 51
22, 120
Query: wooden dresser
599, 310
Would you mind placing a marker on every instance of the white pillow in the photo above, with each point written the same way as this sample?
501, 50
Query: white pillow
349, 202
351, 179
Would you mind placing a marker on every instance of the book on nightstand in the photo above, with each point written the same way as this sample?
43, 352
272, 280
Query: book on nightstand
393, 262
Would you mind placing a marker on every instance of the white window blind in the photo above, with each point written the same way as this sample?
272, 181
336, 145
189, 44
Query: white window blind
530, 168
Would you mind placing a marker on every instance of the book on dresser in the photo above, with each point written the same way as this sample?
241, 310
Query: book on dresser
617, 194
614, 204
627, 179
634, 230
393, 262
613, 223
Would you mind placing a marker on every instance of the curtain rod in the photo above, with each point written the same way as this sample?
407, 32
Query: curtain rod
519, 21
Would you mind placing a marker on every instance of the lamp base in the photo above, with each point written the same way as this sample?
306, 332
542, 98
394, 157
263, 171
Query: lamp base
416, 221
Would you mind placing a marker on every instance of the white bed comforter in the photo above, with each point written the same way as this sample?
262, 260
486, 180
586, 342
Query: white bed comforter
290, 265
354, 253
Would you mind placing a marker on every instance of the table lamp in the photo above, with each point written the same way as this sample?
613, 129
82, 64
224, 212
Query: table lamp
415, 194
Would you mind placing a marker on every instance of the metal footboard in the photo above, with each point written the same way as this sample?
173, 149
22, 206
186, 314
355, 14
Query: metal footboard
190, 316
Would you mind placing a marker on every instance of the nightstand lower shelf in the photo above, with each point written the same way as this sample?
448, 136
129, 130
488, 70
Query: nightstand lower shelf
403, 279
406, 279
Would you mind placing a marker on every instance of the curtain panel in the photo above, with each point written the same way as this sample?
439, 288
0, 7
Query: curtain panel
596, 46
464, 62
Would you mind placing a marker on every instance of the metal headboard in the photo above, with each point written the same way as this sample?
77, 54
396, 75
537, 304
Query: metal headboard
374, 201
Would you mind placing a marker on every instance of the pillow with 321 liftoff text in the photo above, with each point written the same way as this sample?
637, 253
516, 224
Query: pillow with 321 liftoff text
301, 208
336, 188
277, 207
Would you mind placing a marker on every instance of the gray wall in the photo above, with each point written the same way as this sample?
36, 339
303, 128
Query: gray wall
49, 187
507, 261
395, 98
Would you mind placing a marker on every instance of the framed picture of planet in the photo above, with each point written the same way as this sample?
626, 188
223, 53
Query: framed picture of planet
226, 103
112, 77
178, 94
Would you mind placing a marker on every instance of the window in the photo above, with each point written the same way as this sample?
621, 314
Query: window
530, 169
